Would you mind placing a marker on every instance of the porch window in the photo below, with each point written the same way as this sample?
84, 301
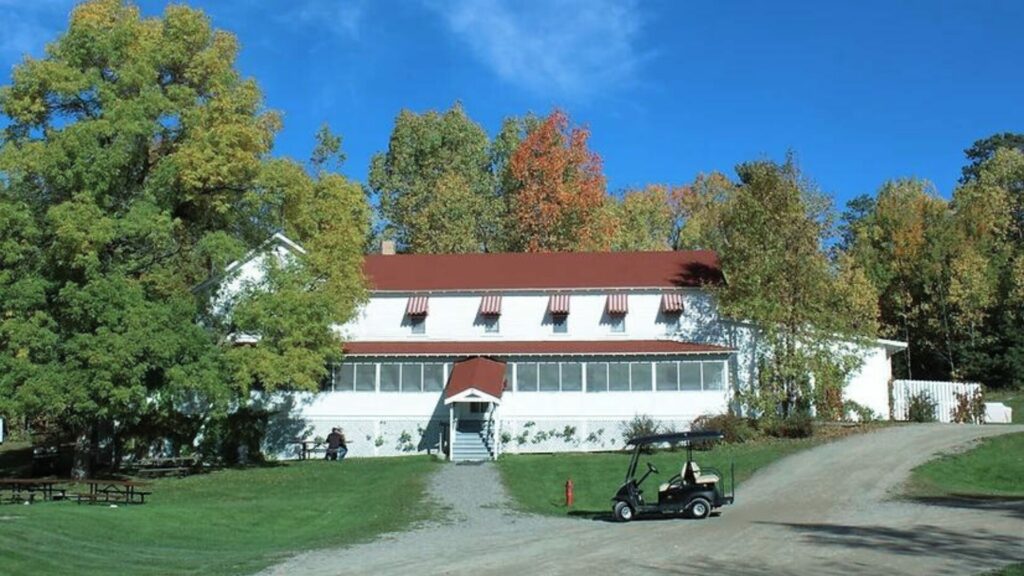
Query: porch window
412, 377
344, 377
597, 377
433, 377
572, 377
390, 377
689, 376
640, 376
714, 375
668, 375
526, 377
366, 377
548, 379
618, 376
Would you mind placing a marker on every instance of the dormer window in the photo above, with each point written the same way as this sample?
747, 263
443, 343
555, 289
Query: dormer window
416, 310
618, 306
490, 311
558, 308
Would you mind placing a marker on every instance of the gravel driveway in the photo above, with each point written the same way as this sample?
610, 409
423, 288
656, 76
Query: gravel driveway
829, 510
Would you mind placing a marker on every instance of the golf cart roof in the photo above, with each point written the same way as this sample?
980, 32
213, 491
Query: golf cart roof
701, 436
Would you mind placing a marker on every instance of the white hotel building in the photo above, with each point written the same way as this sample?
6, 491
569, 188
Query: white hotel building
480, 354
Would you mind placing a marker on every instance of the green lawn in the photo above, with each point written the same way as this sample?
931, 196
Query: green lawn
995, 468
228, 522
537, 481
1015, 400
1011, 570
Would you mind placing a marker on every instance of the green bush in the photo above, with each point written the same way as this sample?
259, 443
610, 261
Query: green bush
859, 412
640, 425
736, 429
922, 407
794, 426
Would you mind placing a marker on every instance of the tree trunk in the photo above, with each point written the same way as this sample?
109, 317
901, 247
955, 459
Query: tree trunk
82, 464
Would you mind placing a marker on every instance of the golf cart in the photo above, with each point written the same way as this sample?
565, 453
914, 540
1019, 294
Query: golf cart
693, 492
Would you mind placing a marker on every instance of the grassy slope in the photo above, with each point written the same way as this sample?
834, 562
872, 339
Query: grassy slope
1011, 570
1015, 400
227, 522
994, 468
537, 481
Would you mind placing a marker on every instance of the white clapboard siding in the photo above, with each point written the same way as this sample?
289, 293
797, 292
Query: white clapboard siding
943, 393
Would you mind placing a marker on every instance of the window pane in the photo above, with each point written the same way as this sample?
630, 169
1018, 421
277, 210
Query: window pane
641, 375
366, 376
411, 377
597, 377
618, 376
689, 375
549, 377
344, 377
618, 323
526, 377
491, 324
560, 324
389, 376
419, 324
668, 375
433, 377
508, 376
714, 375
572, 377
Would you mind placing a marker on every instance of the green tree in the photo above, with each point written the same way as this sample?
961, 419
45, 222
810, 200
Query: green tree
697, 212
641, 219
772, 227
412, 179
984, 149
134, 166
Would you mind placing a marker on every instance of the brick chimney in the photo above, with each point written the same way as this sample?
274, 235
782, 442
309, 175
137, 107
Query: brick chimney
387, 247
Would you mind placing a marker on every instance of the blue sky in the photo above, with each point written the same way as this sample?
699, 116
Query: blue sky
861, 91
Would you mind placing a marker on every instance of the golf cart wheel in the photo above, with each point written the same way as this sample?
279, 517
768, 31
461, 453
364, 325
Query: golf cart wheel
623, 512
700, 508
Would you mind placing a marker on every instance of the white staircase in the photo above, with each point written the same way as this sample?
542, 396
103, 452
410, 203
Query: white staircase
470, 446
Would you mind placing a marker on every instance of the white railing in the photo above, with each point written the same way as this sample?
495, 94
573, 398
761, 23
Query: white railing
942, 393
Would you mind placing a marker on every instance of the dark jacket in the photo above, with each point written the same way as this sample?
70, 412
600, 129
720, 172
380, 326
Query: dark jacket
335, 440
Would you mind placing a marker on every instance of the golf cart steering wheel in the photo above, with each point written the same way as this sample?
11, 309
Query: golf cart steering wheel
652, 468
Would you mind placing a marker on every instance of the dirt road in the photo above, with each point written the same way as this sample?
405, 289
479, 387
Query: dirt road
829, 510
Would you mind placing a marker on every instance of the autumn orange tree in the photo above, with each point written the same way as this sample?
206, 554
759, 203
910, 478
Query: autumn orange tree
556, 191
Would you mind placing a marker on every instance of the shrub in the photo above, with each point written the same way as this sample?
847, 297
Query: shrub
735, 428
969, 408
859, 412
922, 407
793, 426
640, 425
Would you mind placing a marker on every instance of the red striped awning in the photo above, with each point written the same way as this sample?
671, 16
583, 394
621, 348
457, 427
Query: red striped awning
672, 303
558, 304
417, 306
618, 303
490, 305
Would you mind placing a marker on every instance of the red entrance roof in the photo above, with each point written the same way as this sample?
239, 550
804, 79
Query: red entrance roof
483, 374
546, 347
542, 270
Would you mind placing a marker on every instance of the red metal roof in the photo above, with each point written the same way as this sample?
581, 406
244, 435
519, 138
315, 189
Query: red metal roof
483, 374
545, 347
542, 270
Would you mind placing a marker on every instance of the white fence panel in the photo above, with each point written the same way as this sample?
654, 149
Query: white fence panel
943, 393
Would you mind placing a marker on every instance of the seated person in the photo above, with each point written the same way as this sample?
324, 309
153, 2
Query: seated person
337, 447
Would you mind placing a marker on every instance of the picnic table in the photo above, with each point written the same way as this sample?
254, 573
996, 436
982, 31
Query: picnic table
167, 465
307, 447
26, 489
123, 491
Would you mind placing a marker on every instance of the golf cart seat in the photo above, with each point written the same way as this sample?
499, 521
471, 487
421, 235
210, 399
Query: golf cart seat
694, 475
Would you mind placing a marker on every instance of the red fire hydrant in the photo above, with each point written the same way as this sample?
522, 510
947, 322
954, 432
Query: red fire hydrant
568, 493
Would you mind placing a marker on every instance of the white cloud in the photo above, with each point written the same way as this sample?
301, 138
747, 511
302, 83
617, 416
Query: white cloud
570, 48
340, 17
